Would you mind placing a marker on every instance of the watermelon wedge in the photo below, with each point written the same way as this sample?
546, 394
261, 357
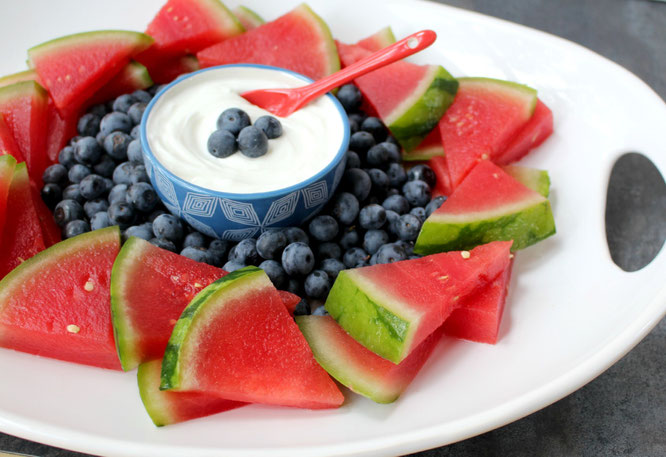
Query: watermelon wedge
359, 369
24, 107
7, 165
8, 145
50, 231
187, 26
488, 205
391, 308
74, 67
237, 341
165, 407
299, 41
409, 98
537, 180
483, 119
479, 316
165, 71
133, 76
430, 147
535, 132
67, 286
443, 184
247, 17
150, 288
378, 40
22, 234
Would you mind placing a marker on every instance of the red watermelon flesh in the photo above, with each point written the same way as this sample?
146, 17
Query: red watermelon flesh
56, 304
74, 67
7, 166
359, 369
133, 76
485, 115
165, 407
299, 41
290, 300
166, 70
50, 230
8, 145
535, 132
443, 184
22, 234
236, 340
187, 26
378, 40
24, 106
479, 316
430, 147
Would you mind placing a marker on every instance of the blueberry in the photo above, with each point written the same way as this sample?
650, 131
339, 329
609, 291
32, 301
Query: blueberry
77, 173
196, 254
271, 243
221, 144
169, 227
234, 120
408, 246
142, 196
195, 240
138, 173
72, 192
391, 252
302, 308
434, 204
54, 174
345, 208
232, 265
357, 182
88, 124
156, 88
422, 172
355, 257
372, 216
321, 311
252, 142
392, 219
164, 244
393, 152
142, 96
66, 156
297, 259
95, 206
323, 228
353, 160
296, 235
357, 118
118, 193
134, 152
87, 150
108, 185
375, 127
349, 97
105, 166
155, 214
115, 144
419, 212
74, 228
275, 272
100, 220
349, 239
380, 181
92, 186
140, 231
332, 267
115, 122
396, 174
51, 194
98, 110
245, 252
374, 239
361, 142
408, 227
271, 127
67, 211
417, 193
135, 133
392, 140
123, 103
218, 249
328, 250
100, 138
121, 174
135, 112
122, 214
317, 284
396, 203
294, 286
354, 126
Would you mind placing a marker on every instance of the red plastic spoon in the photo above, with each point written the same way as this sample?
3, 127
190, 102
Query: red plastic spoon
283, 102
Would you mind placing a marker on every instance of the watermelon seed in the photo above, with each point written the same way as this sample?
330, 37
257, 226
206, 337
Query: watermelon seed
89, 286
71, 328
172, 321
444, 278
511, 256
484, 156
197, 285
465, 254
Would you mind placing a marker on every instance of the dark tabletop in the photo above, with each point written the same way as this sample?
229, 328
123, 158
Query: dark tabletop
623, 411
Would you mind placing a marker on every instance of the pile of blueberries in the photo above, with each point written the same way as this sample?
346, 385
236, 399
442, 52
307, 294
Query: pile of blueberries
235, 132
374, 216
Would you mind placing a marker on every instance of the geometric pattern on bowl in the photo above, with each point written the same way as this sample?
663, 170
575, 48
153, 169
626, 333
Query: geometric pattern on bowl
315, 194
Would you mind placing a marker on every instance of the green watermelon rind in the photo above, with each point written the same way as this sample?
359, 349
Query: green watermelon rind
52, 255
226, 18
21, 89
67, 42
525, 222
139, 74
355, 310
537, 180
158, 412
423, 154
21, 76
250, 15
380, 39
510, 87
172, 363
417, 115
330, 49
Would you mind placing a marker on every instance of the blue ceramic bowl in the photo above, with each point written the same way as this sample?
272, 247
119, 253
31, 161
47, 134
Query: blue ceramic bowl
236, 216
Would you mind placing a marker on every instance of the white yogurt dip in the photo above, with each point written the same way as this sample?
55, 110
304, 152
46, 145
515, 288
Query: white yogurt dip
182, 119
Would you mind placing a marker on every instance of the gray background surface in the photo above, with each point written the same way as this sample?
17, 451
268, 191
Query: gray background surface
623, 411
